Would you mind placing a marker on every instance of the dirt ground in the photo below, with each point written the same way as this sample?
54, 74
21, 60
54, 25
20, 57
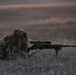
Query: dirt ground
56, 24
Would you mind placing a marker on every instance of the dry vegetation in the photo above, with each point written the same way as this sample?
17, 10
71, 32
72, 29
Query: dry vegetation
55, 24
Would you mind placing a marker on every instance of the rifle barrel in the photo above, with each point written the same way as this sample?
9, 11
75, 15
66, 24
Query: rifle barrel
68, 45
49, 46
56, 45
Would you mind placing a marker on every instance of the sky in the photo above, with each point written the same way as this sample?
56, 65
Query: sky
9, 2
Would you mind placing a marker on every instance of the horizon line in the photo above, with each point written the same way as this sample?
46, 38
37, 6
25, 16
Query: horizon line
36, 5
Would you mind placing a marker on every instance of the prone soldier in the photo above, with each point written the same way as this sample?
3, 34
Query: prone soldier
14, 43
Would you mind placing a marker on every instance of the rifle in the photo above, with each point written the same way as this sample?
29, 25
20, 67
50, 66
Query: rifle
47, 45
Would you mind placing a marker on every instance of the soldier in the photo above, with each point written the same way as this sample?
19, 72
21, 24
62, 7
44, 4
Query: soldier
16, 42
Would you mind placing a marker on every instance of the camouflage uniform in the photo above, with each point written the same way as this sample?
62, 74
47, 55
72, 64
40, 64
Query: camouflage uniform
14, 42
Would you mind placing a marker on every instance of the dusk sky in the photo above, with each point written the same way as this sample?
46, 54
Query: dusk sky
6, 2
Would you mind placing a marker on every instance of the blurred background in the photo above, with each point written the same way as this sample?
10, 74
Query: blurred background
41, 19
